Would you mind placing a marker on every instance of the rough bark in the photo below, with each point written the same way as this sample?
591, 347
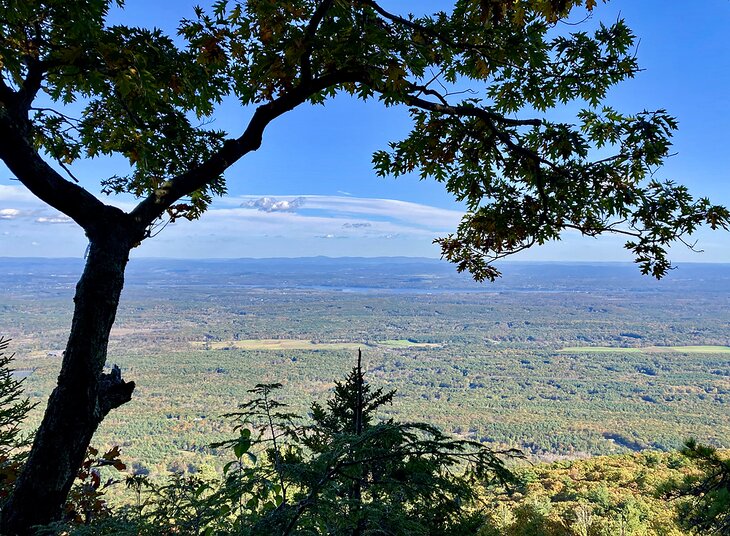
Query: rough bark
83, 396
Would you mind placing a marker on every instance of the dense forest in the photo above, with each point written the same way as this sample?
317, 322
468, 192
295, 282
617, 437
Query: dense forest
559, 374
346, 469
583, 364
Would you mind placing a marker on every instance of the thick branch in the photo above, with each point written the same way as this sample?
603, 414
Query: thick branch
154, 206
113, 391
18, 153
34, 77
31, 84
7, 95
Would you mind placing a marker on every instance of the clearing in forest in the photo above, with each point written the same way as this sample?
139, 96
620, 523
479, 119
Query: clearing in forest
300, 344
648, 349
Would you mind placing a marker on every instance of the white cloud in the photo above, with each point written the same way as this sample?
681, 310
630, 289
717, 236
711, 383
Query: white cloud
60, 218
270, 204
225, 221
292, 225
9, 213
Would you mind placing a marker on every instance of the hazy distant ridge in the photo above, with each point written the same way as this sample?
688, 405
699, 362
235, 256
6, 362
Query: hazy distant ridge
402, 273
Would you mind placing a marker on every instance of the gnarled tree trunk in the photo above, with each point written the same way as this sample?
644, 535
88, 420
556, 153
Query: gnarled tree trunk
83, 396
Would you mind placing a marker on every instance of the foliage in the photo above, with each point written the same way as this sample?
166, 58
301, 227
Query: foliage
346, 472
706, 505
524, 178
14, 408
86, 501
601, 496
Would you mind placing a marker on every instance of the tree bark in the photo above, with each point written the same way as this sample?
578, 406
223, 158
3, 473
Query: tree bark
83, 396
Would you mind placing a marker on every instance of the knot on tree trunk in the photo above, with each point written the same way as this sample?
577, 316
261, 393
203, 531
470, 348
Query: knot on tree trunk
113, 391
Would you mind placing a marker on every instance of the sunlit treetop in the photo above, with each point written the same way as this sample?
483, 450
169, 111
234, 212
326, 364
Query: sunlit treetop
480, 80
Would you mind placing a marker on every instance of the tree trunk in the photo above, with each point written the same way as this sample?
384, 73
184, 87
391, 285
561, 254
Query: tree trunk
83, 395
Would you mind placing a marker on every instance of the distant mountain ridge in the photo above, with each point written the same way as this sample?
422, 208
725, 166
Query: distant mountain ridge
374, 273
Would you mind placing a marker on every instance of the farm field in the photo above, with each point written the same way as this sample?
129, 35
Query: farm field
298, 344
560, 361
646, 350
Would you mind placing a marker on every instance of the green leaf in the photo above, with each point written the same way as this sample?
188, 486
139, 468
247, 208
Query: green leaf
241, 447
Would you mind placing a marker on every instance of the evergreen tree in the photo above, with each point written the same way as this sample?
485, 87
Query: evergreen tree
351, 473
14, 408
706, 508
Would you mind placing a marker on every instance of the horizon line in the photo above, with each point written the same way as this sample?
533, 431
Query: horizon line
374, 257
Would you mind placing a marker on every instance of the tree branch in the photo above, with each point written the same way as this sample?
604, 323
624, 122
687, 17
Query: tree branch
113, 391
7, 95
309, 34
405, 22
18, 153
154, 206
465, 111
491, 118
31, 84
37, 68
430, 32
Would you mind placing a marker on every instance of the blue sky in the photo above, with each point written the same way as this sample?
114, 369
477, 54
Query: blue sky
310, 189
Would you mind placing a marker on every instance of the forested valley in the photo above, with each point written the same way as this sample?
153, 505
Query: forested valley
593, 375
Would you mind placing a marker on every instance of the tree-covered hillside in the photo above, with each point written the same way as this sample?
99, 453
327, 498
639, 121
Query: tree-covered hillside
512, 366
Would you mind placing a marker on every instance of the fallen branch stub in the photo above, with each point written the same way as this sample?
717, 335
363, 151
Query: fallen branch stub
113, 391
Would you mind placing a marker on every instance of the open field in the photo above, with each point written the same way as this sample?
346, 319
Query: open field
298, 344
274, 344
405, 343
646, 350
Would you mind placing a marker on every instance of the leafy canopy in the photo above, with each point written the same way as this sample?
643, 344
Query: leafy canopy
479, 80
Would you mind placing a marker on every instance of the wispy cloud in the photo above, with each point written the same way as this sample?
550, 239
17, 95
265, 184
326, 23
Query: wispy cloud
416, 214
288, 225
304, 225
370, 209
54, 219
